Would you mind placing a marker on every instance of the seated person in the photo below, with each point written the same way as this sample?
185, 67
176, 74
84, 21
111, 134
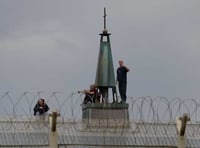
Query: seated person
41, 107
91, 95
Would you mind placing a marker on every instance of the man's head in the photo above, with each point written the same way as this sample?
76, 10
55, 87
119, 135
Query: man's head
92, 86
120, 63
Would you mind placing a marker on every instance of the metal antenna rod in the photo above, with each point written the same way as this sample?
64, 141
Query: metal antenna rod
104, 18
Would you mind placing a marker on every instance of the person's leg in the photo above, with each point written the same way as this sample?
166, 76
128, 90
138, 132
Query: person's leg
86, 99
120, 85
123, 91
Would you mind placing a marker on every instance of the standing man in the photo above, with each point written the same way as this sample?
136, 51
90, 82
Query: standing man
122, 80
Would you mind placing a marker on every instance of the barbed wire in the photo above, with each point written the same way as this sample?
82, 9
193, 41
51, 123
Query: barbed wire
148, 116
141, 109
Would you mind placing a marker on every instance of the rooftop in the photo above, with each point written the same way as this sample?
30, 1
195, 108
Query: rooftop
149, 126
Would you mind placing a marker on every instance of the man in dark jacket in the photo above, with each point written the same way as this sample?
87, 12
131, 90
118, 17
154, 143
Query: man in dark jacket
122, 80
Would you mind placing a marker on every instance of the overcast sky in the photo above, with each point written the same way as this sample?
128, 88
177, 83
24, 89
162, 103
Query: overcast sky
53, 45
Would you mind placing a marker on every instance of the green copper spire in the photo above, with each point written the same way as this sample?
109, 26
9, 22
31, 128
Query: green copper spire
105, 77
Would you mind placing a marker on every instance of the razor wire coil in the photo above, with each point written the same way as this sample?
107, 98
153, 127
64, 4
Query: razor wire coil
141, 109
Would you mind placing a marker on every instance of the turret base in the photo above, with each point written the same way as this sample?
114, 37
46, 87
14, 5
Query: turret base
102, 114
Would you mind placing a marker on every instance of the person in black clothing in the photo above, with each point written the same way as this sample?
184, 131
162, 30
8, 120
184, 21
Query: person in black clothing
91, 95
122, 80
41, 107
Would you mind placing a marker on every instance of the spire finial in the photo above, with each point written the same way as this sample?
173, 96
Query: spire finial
104, 18
104, 29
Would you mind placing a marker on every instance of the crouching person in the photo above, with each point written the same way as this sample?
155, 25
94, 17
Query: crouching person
91, 95
40, 109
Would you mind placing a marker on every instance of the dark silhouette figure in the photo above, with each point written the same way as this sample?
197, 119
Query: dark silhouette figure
41, 107
91, 95
122, 80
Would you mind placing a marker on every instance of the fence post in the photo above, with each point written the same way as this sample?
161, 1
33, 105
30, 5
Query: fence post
181, 126
53, 140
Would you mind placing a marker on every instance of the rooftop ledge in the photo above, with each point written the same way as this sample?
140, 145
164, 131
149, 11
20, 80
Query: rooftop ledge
105, 114
105, 106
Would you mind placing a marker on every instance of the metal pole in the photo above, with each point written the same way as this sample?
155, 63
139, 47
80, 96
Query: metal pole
181, 126
181, 142
53, 142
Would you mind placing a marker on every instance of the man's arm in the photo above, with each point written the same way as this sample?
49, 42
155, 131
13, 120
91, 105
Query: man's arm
127, 69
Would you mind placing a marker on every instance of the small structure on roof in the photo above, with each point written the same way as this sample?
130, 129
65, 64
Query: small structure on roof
105, 113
